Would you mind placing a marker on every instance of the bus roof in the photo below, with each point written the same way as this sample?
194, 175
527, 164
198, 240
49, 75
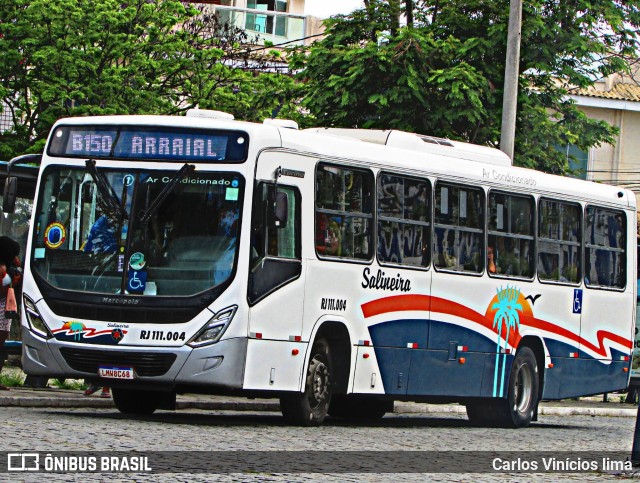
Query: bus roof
395, 150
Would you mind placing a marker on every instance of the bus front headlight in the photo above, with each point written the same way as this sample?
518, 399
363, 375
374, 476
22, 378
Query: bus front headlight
213, 330
34, 319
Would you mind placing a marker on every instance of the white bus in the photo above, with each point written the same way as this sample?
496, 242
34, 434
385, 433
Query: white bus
336, 270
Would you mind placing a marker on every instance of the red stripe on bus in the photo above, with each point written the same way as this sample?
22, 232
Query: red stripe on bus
399, 303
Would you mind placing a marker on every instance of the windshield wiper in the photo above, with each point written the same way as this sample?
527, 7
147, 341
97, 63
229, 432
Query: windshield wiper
111, 204
168, 188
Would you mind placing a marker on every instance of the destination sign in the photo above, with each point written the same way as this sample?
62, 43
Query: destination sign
131, 142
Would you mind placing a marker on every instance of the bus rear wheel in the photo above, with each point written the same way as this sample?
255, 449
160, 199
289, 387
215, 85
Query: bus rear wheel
310, 407
517, 410
131, 401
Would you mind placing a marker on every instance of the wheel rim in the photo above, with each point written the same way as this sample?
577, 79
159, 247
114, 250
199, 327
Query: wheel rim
523, 388
319, 384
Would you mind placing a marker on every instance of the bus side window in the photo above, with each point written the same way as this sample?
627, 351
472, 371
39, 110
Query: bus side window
605, 244
459, 228
559, 241
275, 247
511, 234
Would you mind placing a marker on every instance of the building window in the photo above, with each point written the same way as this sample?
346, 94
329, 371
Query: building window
578, 160
268, 24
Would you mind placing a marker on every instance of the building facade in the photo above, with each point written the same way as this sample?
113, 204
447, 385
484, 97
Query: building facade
281, 22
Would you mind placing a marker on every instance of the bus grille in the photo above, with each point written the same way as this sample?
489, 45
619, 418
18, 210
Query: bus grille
144, 363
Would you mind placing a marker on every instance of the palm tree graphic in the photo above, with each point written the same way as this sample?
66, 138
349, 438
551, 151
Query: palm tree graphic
507, 312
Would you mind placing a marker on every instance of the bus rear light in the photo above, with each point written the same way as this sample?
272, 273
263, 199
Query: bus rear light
295, 352
463, 348
412, 345
364, 342
573, 355
625, 369
462, 360
550, 366
365, 356
255, 335
295, 338
213, 330
625, 358
34, 319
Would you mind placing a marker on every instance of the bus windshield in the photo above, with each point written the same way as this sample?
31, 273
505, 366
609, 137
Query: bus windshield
145, 232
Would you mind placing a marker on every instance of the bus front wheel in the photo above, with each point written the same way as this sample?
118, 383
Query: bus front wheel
130, 401
310, 407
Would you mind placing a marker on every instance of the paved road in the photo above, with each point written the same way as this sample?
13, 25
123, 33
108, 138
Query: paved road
105, 430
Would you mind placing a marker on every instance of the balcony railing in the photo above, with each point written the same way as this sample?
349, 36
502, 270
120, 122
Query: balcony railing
276, 27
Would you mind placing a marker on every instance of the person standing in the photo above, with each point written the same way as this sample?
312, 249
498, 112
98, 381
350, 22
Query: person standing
10, 276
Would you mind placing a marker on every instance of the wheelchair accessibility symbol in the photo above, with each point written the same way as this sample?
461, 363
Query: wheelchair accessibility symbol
136, 281
577, 301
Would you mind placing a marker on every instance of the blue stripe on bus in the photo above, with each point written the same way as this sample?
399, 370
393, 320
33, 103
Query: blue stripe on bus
434, 368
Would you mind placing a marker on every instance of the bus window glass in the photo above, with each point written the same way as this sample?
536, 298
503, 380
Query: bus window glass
559, 241
605, 248
275, 248
343, 212
459, 228
187, 244
403, 220
511, 235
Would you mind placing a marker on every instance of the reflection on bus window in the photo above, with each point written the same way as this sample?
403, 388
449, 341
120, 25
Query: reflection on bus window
459, 228
403, 220
344, 212
511, 234
559, 241
186, 245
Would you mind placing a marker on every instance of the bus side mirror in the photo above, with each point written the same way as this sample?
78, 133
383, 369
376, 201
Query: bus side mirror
10, 194
280, 210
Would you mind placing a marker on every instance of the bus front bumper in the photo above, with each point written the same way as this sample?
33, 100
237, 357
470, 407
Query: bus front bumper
220, 364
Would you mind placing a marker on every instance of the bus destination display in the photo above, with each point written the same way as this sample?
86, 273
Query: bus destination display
141, 143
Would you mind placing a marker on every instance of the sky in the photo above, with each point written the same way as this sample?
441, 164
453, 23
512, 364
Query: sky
326, 8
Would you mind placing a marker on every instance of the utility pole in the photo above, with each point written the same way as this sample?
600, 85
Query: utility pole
511, 72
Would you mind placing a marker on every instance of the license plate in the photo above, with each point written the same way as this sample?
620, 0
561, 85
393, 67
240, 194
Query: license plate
116, 372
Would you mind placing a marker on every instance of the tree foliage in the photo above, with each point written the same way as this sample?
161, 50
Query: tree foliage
442, 73
63, 58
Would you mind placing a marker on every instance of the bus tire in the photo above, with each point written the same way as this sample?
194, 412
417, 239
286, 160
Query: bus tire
520, 405
359, 407
310, 407
131, 401
522, 394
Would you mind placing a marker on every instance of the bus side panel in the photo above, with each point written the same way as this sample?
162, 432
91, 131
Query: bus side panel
606, 341
274, 365
441, 373
573, 376
367, 377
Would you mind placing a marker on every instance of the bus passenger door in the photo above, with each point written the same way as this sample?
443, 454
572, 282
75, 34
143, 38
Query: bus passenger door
276, 288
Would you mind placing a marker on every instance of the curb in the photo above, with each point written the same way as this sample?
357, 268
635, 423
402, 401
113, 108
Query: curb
274, 406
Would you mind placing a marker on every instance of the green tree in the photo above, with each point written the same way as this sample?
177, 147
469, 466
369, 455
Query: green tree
62, 58
443, 72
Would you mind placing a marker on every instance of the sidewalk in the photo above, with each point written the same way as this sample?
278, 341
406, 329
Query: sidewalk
70, 398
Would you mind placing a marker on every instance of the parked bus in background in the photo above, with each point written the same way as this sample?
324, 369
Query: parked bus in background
14, 222
337, 270
634, 383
